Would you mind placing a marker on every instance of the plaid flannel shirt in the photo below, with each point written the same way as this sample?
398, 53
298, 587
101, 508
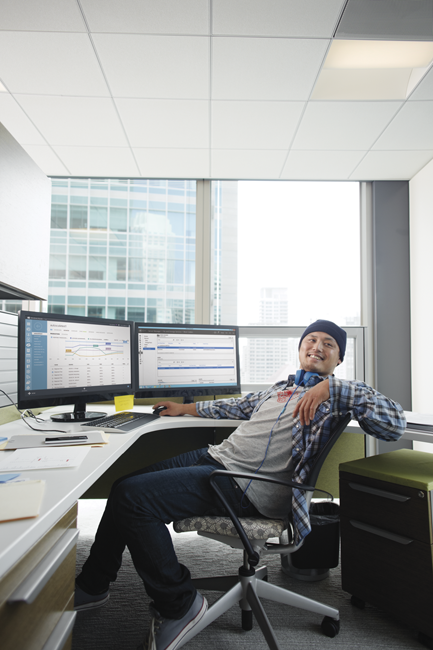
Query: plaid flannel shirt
376, 414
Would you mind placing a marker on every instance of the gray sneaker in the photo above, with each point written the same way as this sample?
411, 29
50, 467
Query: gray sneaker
166, 633
84, 600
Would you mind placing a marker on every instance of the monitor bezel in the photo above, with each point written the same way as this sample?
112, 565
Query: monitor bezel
187, 393
69, 396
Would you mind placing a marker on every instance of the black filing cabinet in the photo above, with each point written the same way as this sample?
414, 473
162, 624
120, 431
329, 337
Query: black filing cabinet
386, 535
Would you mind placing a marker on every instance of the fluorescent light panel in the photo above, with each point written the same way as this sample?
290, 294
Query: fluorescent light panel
357, 70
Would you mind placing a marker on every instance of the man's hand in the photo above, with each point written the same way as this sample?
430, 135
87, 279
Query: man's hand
172, 408
307, 405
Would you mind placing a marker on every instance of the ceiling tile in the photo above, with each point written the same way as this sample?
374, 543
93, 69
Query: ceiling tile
321, 165
253, 165
265, 68
307, 18
165, 122
342, 126
173, 163
98, 161
425, 89
49, 63
391, 165
85, 121
254, 125
47, 160
160, 67
412, 128
147, 16
17, 123
42, 16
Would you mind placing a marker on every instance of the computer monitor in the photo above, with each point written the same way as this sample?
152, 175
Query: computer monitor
186, 360
65, 359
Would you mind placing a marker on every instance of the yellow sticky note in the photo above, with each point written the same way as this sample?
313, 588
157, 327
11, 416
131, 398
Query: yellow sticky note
124, 402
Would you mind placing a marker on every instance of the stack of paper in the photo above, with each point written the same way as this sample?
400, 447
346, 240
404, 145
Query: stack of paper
20, 499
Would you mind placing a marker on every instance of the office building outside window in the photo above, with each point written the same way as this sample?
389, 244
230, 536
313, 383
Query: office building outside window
123, 249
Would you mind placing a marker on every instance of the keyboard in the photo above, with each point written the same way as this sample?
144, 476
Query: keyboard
122, 422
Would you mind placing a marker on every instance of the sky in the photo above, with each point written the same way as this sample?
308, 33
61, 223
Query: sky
303, 236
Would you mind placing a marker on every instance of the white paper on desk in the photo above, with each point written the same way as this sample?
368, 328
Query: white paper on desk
21, 441
50, 458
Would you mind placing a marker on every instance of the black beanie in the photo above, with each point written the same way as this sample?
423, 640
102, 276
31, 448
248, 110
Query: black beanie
330, 328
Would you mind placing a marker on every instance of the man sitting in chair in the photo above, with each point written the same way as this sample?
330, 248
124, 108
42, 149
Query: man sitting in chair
283, 428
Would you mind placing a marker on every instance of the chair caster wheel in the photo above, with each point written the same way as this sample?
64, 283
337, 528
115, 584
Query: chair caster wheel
247, 619
426, 640
357, 602
330, 627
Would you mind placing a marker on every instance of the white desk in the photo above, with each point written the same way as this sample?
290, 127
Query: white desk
64, 487
37, 556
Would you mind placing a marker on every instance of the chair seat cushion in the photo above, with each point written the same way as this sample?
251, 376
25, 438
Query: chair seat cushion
254, 528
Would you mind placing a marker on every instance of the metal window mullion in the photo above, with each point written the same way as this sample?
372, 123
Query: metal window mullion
368, 311
203, 252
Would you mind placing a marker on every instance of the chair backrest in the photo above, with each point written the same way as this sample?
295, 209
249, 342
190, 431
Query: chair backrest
321, 457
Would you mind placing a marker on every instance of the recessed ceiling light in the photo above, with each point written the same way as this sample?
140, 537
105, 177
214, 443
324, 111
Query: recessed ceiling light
373, 69
2, 88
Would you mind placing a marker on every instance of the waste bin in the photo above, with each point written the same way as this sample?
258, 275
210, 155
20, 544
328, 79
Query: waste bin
321, 549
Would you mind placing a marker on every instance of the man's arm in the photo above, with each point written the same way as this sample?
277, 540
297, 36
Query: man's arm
172, 408
234, 408
377, 415
307, 406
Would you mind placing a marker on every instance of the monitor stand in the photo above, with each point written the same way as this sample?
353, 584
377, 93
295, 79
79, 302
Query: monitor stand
79, 414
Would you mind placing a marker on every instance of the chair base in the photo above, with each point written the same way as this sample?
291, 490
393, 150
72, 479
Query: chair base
246, 589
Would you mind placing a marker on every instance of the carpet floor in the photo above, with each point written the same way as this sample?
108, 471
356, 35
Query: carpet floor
122, 623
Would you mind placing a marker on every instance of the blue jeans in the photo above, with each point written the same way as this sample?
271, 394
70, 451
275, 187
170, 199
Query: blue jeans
137, 511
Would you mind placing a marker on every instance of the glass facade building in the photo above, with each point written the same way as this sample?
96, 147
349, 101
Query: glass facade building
123, 249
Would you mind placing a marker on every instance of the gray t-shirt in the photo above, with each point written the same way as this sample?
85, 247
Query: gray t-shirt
245, 449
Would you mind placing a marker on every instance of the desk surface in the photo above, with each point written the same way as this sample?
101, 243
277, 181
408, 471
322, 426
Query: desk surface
64, 486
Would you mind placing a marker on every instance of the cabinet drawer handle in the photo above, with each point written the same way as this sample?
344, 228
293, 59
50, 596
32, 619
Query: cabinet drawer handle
381, 533
379, 493
61, 632
31, 586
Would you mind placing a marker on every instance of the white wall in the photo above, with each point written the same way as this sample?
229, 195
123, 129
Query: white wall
421, 269
25, 207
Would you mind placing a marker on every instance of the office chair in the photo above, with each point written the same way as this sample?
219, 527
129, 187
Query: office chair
252, 535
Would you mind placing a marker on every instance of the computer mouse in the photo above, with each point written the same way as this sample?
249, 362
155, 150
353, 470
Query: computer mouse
158, 409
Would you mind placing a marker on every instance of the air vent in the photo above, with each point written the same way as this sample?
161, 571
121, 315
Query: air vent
395, 20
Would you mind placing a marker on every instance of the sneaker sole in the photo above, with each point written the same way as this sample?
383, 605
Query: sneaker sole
189, 626
92, 605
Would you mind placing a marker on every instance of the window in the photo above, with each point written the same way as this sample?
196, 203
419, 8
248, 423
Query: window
291, 252
284, 254
78, 216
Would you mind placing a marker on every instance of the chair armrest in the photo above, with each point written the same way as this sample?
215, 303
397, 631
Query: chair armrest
263, 477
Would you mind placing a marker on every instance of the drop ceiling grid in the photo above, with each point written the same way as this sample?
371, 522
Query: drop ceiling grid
233, 100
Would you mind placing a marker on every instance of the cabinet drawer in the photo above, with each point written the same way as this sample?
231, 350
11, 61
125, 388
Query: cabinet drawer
38, 591
28, 626
397, 508
392, 572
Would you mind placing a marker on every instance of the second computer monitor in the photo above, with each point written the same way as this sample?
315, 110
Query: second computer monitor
186, 360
